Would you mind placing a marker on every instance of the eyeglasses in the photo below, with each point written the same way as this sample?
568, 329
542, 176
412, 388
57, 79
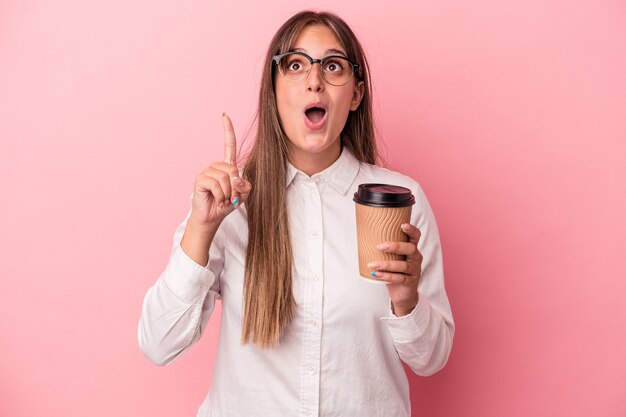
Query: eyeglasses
296, 66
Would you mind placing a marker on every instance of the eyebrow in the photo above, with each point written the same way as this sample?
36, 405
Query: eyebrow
326, 52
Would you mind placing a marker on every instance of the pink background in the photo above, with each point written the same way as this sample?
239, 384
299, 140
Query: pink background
512, 116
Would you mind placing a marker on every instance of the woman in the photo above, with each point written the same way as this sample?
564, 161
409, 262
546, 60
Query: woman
301, 333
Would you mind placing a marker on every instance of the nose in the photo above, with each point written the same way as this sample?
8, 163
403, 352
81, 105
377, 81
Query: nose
314, 81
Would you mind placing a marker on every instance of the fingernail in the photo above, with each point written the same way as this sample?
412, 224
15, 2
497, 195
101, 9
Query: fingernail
238, 182
406, 226
373, 274
235, 201
382, 246
373, 265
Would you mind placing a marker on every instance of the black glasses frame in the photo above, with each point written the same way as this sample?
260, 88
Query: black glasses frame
355, 67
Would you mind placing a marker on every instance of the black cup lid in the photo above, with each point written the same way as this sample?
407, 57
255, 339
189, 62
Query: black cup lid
384, 195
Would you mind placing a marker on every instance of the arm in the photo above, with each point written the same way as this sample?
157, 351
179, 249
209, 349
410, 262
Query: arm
176, 309
423, 337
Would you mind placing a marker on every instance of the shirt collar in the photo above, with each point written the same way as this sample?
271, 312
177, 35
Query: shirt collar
340, 175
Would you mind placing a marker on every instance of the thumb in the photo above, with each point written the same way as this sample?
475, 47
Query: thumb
243, 188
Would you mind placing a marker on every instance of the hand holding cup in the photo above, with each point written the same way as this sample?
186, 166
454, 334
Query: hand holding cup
387, 242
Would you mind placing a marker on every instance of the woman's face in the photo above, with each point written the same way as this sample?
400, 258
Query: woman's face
314, 138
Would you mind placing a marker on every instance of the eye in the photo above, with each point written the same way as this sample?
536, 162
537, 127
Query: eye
295, 64
333, 66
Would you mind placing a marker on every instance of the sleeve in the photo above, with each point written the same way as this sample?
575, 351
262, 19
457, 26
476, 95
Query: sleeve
177, 308
423, 338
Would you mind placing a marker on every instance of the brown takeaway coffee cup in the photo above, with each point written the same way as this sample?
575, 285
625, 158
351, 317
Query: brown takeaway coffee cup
380, 211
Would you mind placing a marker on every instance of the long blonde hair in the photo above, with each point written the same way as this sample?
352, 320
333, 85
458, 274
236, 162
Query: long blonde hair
268, 305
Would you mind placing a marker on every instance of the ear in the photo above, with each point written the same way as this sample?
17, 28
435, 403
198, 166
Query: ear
357, 96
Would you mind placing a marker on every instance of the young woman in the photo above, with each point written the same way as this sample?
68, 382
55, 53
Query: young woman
302, 334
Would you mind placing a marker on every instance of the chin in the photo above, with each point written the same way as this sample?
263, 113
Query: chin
314, 145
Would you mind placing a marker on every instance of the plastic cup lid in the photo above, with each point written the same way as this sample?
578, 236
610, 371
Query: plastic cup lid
384, 195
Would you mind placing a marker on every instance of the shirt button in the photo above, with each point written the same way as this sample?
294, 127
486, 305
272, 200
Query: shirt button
314, 322
316, 277
313, 234
317, 180
312, 370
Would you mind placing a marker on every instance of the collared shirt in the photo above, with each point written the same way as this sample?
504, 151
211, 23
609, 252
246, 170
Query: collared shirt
341, 354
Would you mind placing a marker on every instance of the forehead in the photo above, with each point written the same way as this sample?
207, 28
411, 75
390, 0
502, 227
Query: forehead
317, 39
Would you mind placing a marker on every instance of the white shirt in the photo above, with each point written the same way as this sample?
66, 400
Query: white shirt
341, 355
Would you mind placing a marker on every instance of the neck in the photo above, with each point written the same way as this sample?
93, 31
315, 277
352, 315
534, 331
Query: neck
311, 164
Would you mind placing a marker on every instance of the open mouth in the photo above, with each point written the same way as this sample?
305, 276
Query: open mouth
315, 114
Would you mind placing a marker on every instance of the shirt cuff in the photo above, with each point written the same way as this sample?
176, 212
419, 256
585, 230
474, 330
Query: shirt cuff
186, 278
410, 327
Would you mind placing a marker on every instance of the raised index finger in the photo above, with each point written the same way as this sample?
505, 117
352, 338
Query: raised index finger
230, 149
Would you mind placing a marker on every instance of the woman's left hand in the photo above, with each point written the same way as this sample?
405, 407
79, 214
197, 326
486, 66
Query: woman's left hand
403, 276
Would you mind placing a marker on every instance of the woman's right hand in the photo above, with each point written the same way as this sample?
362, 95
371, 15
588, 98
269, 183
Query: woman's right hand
218, 189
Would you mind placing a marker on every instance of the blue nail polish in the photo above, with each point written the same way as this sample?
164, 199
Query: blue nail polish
373, 274
235, 202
